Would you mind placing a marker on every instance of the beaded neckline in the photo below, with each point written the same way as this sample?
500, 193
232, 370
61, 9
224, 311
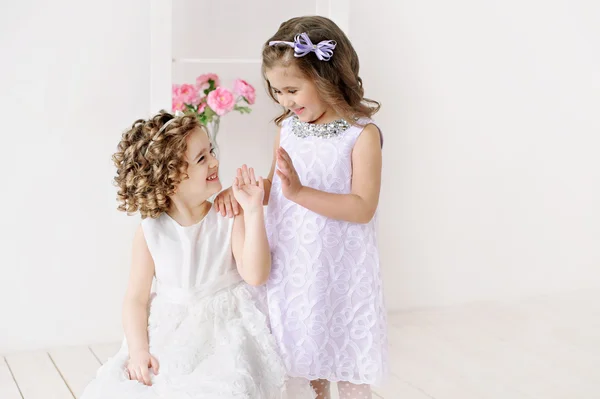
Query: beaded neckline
324, 130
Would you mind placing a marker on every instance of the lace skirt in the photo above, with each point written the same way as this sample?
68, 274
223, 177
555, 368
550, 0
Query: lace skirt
215, 347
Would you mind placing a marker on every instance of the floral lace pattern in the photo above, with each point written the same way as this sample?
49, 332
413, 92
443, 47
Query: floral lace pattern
325, 293
220, 347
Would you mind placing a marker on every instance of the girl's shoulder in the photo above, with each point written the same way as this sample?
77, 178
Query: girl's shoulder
286, 127
287, 122
369, 126
151, 225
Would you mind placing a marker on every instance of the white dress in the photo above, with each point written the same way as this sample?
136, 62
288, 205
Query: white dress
325, 291
205, 325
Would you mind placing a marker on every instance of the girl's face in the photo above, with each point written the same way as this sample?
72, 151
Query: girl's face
298, 94
202, 170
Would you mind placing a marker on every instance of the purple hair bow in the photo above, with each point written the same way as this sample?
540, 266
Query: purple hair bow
302, 46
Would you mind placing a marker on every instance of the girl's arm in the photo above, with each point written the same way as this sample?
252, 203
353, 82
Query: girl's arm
135, 311
249, 237
360, 205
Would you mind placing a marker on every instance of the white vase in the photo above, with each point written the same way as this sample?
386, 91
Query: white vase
213, 131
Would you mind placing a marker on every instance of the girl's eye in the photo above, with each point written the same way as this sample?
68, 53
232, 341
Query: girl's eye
212, 152
292, 91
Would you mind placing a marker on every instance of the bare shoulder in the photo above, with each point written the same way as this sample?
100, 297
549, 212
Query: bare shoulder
139, 239
369, 138
371, 130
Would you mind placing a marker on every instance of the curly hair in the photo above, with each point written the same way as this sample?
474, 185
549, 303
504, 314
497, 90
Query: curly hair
151, 165
336, 80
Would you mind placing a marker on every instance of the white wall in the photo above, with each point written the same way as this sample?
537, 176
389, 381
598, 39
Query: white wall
491, 174
73, 75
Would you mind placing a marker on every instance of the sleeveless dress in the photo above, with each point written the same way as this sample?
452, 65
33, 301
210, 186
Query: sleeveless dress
204, 326
325, 292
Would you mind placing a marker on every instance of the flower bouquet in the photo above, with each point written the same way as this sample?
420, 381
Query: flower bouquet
209, 101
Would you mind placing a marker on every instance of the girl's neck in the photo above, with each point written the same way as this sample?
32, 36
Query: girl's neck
328, 116
187, 215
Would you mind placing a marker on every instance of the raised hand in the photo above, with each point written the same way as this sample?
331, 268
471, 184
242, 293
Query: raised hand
248, 191
290, 182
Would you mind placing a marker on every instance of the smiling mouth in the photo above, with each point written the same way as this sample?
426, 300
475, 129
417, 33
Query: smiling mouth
213, 177
298, 111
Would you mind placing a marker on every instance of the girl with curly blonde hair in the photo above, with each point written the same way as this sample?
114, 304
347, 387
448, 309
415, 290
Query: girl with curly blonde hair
201, 334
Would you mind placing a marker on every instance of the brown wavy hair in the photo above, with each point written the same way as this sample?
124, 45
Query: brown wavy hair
151, 165
336, 80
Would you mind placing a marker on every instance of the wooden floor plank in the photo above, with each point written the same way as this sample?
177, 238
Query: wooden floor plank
396, 388
77, 365
8, 386
105, 351
37, 377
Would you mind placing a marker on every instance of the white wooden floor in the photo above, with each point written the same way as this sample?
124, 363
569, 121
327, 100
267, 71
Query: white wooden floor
544, 348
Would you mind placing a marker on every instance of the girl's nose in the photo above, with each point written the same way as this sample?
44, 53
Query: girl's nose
287, 103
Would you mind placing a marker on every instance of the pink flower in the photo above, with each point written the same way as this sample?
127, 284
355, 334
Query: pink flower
201, 107
244, 89
221, 101
177, 102
177, 105
203, 81
189, 94
175, 90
